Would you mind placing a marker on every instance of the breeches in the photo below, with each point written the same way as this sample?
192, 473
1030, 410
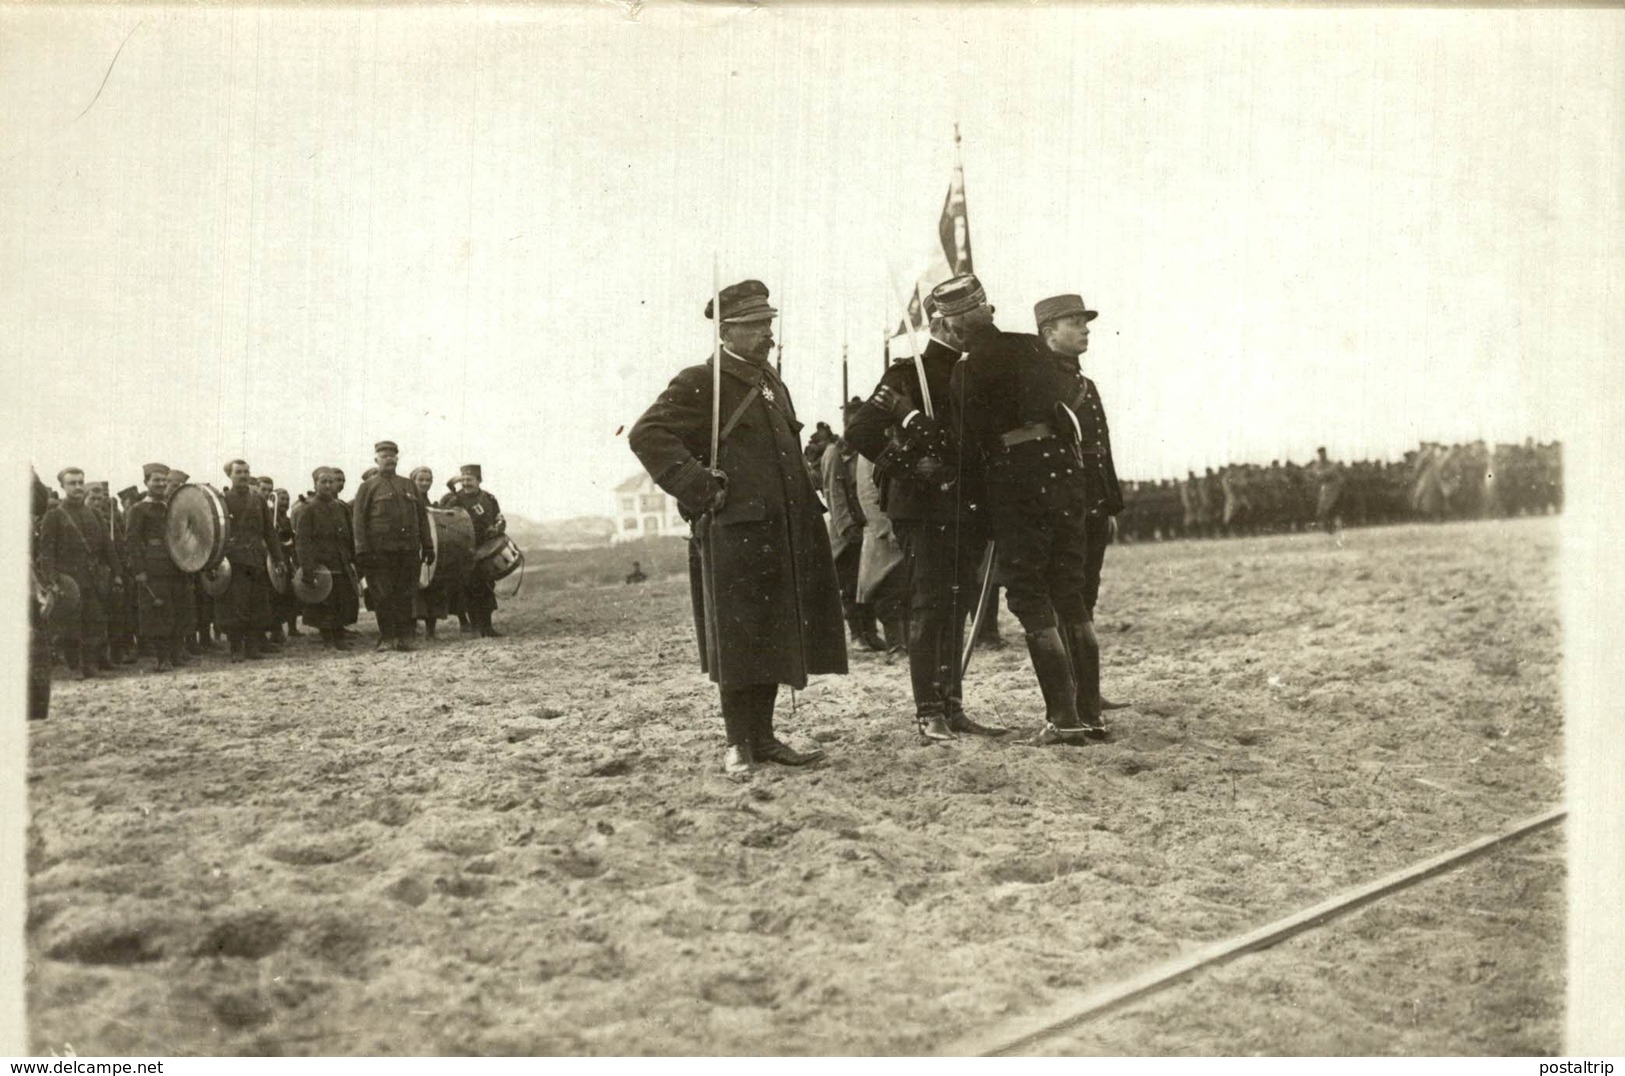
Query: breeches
1043, 564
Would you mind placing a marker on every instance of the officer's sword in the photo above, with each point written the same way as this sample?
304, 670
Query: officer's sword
982, 594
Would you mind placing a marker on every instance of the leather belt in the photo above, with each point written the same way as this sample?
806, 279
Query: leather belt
1039, 431
1032, 431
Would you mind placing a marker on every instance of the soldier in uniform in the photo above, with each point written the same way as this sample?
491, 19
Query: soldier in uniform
73, 542
479, 597
121, 613
323, 539
163, 592
767, 607
1063, 323
1021, 402
39, 634
244, 611
846, 526
933, 504
391, 526
1327, 476
285, 604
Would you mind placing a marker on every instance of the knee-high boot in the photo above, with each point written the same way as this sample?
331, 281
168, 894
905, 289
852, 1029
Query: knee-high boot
1084, 649
1053, 665
930, 712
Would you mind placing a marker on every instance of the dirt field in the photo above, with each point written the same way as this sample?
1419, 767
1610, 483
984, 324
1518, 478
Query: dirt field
526, 846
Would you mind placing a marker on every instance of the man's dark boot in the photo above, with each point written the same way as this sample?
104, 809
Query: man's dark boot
83, 657
178, 656
765, 745
1053, 666
254, 645
428, 628
738, 719
486, 629
950, 648
1084, 649
238, 646
929, 715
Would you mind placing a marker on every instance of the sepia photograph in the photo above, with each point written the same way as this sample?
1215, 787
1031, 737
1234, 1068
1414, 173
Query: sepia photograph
735, 529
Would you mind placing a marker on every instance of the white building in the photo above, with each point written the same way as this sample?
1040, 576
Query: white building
643, 510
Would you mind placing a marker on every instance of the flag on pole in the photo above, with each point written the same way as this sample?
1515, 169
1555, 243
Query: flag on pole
952, 255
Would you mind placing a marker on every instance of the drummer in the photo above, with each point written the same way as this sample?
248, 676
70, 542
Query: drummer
245, 609
322, 539
479, 593
430, 603
198, 631
163, 593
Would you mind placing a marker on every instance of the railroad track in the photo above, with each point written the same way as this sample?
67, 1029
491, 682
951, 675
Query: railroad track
1014, 1036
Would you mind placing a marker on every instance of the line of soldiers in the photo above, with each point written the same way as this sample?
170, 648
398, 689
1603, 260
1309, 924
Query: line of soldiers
1436, 482
987, 437
104, 572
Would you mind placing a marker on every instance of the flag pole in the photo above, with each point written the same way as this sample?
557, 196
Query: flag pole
846, 391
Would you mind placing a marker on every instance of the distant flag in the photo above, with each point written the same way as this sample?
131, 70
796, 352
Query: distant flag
953, 253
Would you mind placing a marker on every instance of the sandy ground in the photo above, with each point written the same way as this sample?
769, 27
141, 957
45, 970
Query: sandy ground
526, 846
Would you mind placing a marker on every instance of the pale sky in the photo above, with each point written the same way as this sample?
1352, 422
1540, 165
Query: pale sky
488, 233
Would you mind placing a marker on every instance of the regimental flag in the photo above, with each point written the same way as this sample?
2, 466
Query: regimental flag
951, 258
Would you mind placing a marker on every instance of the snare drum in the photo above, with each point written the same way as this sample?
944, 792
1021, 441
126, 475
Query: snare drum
498, 557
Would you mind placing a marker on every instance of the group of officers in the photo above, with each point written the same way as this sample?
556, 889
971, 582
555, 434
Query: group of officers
109, 590
988, 437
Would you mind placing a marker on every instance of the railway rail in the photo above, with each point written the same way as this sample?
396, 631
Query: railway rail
1012, 1037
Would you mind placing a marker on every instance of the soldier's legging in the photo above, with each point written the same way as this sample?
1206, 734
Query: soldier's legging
392, 578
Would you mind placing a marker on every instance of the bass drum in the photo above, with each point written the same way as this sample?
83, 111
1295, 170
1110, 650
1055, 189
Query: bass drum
198, 528
452, 530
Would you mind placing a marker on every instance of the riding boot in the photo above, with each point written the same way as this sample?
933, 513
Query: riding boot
930, 715
486, 629
1053, 666
953, 702
1084, 649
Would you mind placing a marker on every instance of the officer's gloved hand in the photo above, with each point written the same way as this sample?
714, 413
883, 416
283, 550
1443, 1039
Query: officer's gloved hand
720, 497
892, 402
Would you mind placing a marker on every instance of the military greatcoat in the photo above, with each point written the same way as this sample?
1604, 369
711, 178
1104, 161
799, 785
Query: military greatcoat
777, 608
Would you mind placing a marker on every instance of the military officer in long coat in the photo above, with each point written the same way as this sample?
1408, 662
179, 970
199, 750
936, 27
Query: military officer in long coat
767, 607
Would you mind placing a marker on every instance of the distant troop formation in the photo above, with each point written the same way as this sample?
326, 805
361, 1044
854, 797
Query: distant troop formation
168, 569
1434, 483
